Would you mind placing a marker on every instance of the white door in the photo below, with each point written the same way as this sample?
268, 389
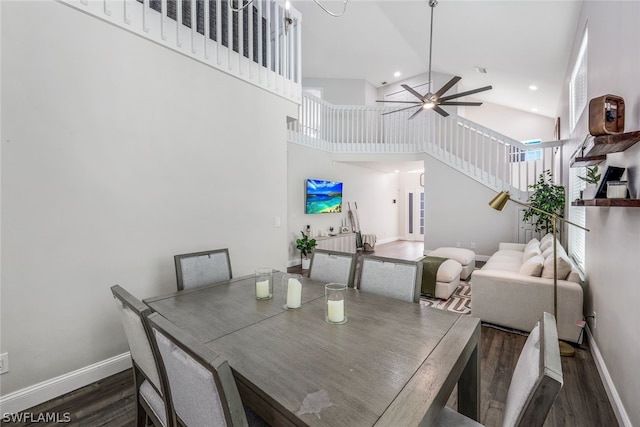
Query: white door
415, 215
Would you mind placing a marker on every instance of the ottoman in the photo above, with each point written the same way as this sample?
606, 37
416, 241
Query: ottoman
465, 257
447, 278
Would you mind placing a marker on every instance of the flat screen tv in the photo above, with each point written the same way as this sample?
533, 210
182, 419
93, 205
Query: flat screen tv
323, 196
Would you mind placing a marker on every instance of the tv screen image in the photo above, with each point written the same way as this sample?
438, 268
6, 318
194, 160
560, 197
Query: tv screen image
323, 196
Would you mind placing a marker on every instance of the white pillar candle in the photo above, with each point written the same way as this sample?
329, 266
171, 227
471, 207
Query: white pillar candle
262, 289
294, 293
335, 311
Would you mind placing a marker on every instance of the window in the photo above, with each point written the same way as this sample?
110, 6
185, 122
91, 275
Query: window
577, 236
518, 155
578, 84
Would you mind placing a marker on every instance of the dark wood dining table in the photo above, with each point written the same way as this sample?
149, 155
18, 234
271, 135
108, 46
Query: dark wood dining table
393, 363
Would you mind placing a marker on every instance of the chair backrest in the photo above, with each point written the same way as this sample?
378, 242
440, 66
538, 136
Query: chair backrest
537, 379
202, 268
200, 384
332, 267
390, 277
132, 312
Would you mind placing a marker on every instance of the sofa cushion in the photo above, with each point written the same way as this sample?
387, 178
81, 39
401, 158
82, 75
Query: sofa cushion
531, 252
502, 266
533, 266
533, 243
564, 267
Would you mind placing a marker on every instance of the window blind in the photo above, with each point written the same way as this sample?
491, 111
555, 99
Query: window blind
578, 84
577, 214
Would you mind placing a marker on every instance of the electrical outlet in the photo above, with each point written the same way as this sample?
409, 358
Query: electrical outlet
472, 245
458, 244
594, 320
4, 363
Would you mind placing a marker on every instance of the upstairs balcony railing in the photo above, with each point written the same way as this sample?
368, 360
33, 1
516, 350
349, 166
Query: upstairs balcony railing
489, 157
256, 44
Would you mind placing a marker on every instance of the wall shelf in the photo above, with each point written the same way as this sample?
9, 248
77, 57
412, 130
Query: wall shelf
588, 161
596, 152
605, 203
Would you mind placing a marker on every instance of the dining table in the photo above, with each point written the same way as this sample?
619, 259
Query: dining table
393, 363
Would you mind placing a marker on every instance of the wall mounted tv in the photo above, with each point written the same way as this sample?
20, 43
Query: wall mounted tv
323, 196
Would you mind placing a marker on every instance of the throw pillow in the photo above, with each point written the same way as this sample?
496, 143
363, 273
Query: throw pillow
528, 254
547, 252
533, 267
546, 237
533, 243
564, 267
546, 244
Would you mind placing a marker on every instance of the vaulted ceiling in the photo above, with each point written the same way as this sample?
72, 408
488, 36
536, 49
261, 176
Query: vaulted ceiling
519, 42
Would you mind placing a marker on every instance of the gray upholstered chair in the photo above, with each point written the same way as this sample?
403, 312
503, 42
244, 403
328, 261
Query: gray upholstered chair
199, 383
148, 382
202, 268
332, 267
535, 383
390, 277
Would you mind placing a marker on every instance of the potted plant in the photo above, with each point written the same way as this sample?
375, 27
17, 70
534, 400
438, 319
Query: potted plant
306, 246
547, 197
592, 178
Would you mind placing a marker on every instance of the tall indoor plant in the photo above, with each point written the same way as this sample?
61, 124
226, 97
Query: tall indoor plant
547, 197
306, 246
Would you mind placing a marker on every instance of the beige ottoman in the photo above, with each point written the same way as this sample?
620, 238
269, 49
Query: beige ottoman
465, 257
447, 278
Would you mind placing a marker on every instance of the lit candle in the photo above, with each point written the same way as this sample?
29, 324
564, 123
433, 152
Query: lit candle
335, 311
262, 289
294, 293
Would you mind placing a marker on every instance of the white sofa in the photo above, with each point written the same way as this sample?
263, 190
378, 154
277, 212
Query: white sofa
507, 292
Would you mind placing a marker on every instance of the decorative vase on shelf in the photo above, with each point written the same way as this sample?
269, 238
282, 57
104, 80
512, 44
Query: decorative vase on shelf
306, 263
589, 192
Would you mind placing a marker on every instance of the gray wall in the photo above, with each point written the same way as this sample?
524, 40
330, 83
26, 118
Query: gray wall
613, 245
117, 154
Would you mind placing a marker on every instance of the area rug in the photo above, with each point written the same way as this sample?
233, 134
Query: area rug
459, 301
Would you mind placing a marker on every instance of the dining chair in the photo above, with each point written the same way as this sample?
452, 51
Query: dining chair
535, 383
390, 277
202, 268
148, 383
199, 383
332, 267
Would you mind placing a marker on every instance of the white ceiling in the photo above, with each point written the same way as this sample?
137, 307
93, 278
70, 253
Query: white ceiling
519, 42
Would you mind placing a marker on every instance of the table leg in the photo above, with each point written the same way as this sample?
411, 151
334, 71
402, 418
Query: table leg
469, 386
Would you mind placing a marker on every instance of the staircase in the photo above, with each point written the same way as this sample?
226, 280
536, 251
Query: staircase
495, 160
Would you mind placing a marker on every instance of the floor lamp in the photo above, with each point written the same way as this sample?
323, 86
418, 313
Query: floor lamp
498, 203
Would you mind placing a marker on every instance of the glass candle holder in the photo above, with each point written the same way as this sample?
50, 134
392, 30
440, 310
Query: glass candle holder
291, 291
617, 190
264, 283
335, 296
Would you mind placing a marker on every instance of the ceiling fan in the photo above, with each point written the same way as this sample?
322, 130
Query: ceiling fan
433, 101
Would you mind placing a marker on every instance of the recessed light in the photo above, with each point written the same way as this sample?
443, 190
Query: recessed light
481, 70
535, 110
396, 170
533, 87
397, 74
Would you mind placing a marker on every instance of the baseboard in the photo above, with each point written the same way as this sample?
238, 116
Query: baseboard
387, 240
609, 386
42, 392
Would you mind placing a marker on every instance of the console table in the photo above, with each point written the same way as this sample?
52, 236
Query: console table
343, 242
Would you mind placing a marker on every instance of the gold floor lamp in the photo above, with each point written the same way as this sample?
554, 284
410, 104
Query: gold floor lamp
498, 203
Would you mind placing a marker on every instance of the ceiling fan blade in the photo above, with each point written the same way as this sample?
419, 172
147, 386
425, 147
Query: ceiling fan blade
471, 104
416, 113
403, 102
440, 111
414, 92
402, 109
446, 87
469, 92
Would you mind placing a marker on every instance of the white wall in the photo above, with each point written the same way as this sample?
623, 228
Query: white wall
516, 124
457, 210
117, 154
613, 244
339, 91
373, 191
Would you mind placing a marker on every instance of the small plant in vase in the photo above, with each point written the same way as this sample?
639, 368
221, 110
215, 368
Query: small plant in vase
592, 179
306, 246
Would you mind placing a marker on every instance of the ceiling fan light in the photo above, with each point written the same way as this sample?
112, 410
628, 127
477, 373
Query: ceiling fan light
428, 105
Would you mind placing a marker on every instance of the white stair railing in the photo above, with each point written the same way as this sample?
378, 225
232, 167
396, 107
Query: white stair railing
489, 157
260, 48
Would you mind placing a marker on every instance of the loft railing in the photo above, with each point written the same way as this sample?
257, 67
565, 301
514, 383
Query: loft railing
261, 48
489, 157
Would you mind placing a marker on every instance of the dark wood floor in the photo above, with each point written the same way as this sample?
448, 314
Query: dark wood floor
582, 401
